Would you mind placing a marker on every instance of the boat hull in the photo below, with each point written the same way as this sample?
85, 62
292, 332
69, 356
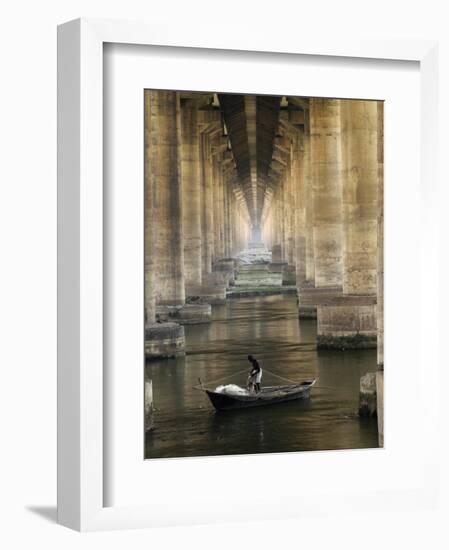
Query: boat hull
282, 394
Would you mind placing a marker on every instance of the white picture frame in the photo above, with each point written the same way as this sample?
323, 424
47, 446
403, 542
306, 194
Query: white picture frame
81, 490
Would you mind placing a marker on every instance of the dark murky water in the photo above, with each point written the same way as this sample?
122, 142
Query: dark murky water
186, 423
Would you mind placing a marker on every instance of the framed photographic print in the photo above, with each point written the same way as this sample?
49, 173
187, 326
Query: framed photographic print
225, 272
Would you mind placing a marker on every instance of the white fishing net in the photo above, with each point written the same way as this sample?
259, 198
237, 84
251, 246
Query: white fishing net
231, 389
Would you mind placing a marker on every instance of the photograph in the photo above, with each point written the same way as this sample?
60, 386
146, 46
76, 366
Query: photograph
263, 273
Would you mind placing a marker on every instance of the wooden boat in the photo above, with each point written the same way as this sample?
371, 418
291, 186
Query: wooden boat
268, 395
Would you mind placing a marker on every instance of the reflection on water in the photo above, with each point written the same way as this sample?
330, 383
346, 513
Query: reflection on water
186, 423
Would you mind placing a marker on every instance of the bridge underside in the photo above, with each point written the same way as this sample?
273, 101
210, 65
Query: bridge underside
228, 175
293, 184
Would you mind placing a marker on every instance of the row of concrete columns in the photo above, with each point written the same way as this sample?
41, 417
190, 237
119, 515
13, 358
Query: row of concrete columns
195, 216
321, 203
322, 220
325, 218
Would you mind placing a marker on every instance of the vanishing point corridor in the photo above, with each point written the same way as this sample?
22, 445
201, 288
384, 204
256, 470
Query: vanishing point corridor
263, 235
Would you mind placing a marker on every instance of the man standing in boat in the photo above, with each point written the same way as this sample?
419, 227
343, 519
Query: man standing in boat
255, 374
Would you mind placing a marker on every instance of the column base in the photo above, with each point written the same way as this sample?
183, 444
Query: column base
188, 314
306, 312
149, 408
225, 268
223, 277
206, 295
276, 253
350, 323
277, 267
220, 278
310, 297
368, 395
289, 275
257, 275
256, 245
164, 340
342, 343
253, 292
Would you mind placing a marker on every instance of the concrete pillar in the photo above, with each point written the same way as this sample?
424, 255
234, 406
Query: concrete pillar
326, 183
149, 409
282, 220
207, 220
210, 290
380, 273
167, 212
191, 192
233, 223
326, 167
289, 272
360, 210
276, 254
380, 235
216, 207
351, 322
288, 207
227, 216
150, 228
368, 395
232, 209
305, 269
300, 208
169, 153
164, 281
307, 294
221, 211
360, 176
309, 218
283, 215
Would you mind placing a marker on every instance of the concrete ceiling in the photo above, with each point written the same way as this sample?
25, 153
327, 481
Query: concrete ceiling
257, 129
251, 122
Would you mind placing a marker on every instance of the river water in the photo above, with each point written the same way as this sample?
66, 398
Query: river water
186, 423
